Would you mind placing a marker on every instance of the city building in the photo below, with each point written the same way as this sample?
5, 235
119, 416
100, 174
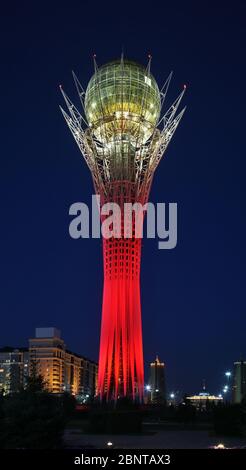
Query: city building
239, 381
157, 382
204, 400
122, 135
47, 355
80, 376
61, 369
14, 368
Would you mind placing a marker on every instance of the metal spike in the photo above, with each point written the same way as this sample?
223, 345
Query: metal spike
95, 63
80, 90
165, 138
170, 113
165, 87
147, 70
75, 114
122, 56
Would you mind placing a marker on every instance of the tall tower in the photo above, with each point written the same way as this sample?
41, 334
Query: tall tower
239, 381
157, 381
122, 137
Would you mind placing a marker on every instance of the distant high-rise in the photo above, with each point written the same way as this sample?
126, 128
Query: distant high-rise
239, 381
157, 381
13, 369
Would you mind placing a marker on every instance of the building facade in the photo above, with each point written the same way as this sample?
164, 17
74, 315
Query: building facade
157, 382
61, 369
204, 400
47, 356
239, 382
14, 369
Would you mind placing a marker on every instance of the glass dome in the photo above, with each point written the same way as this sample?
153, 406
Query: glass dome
122, 99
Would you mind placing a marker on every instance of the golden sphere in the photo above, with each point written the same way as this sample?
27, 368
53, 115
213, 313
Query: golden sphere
122, 99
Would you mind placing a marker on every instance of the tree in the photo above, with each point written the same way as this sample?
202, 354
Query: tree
35, 381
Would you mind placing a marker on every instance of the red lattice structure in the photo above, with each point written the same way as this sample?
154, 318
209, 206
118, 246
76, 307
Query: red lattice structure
121, 371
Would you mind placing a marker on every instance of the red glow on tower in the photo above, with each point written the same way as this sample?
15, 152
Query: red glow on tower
121, 371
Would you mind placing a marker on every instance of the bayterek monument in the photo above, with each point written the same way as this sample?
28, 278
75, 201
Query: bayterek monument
122, 133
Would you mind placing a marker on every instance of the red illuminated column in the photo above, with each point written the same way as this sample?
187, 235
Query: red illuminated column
121, 351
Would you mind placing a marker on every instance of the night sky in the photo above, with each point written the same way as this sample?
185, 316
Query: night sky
193, 297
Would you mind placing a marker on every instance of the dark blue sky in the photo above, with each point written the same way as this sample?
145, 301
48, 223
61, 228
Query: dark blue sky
193, 297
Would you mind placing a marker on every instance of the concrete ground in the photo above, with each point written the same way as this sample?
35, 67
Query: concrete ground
162, 439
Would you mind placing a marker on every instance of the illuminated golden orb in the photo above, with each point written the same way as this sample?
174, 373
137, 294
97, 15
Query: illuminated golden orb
122, 99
